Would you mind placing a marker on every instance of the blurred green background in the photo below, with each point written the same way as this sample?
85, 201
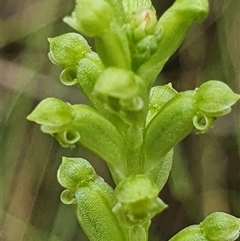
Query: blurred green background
206, 170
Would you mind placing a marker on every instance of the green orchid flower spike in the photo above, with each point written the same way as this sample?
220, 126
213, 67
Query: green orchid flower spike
129, 124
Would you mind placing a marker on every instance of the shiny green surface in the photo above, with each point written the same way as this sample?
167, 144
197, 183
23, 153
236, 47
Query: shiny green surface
31, 209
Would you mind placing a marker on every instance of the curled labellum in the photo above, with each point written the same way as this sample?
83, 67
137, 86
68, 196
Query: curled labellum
68, 76
68, 138
202, 122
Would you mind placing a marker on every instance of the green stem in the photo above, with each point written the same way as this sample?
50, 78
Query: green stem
134, 140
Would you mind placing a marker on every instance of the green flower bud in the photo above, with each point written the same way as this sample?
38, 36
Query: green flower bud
220, 226
143, 23
74, 173
53, 114
137, 199
67, 49
215, 98
92, 17
144, 34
